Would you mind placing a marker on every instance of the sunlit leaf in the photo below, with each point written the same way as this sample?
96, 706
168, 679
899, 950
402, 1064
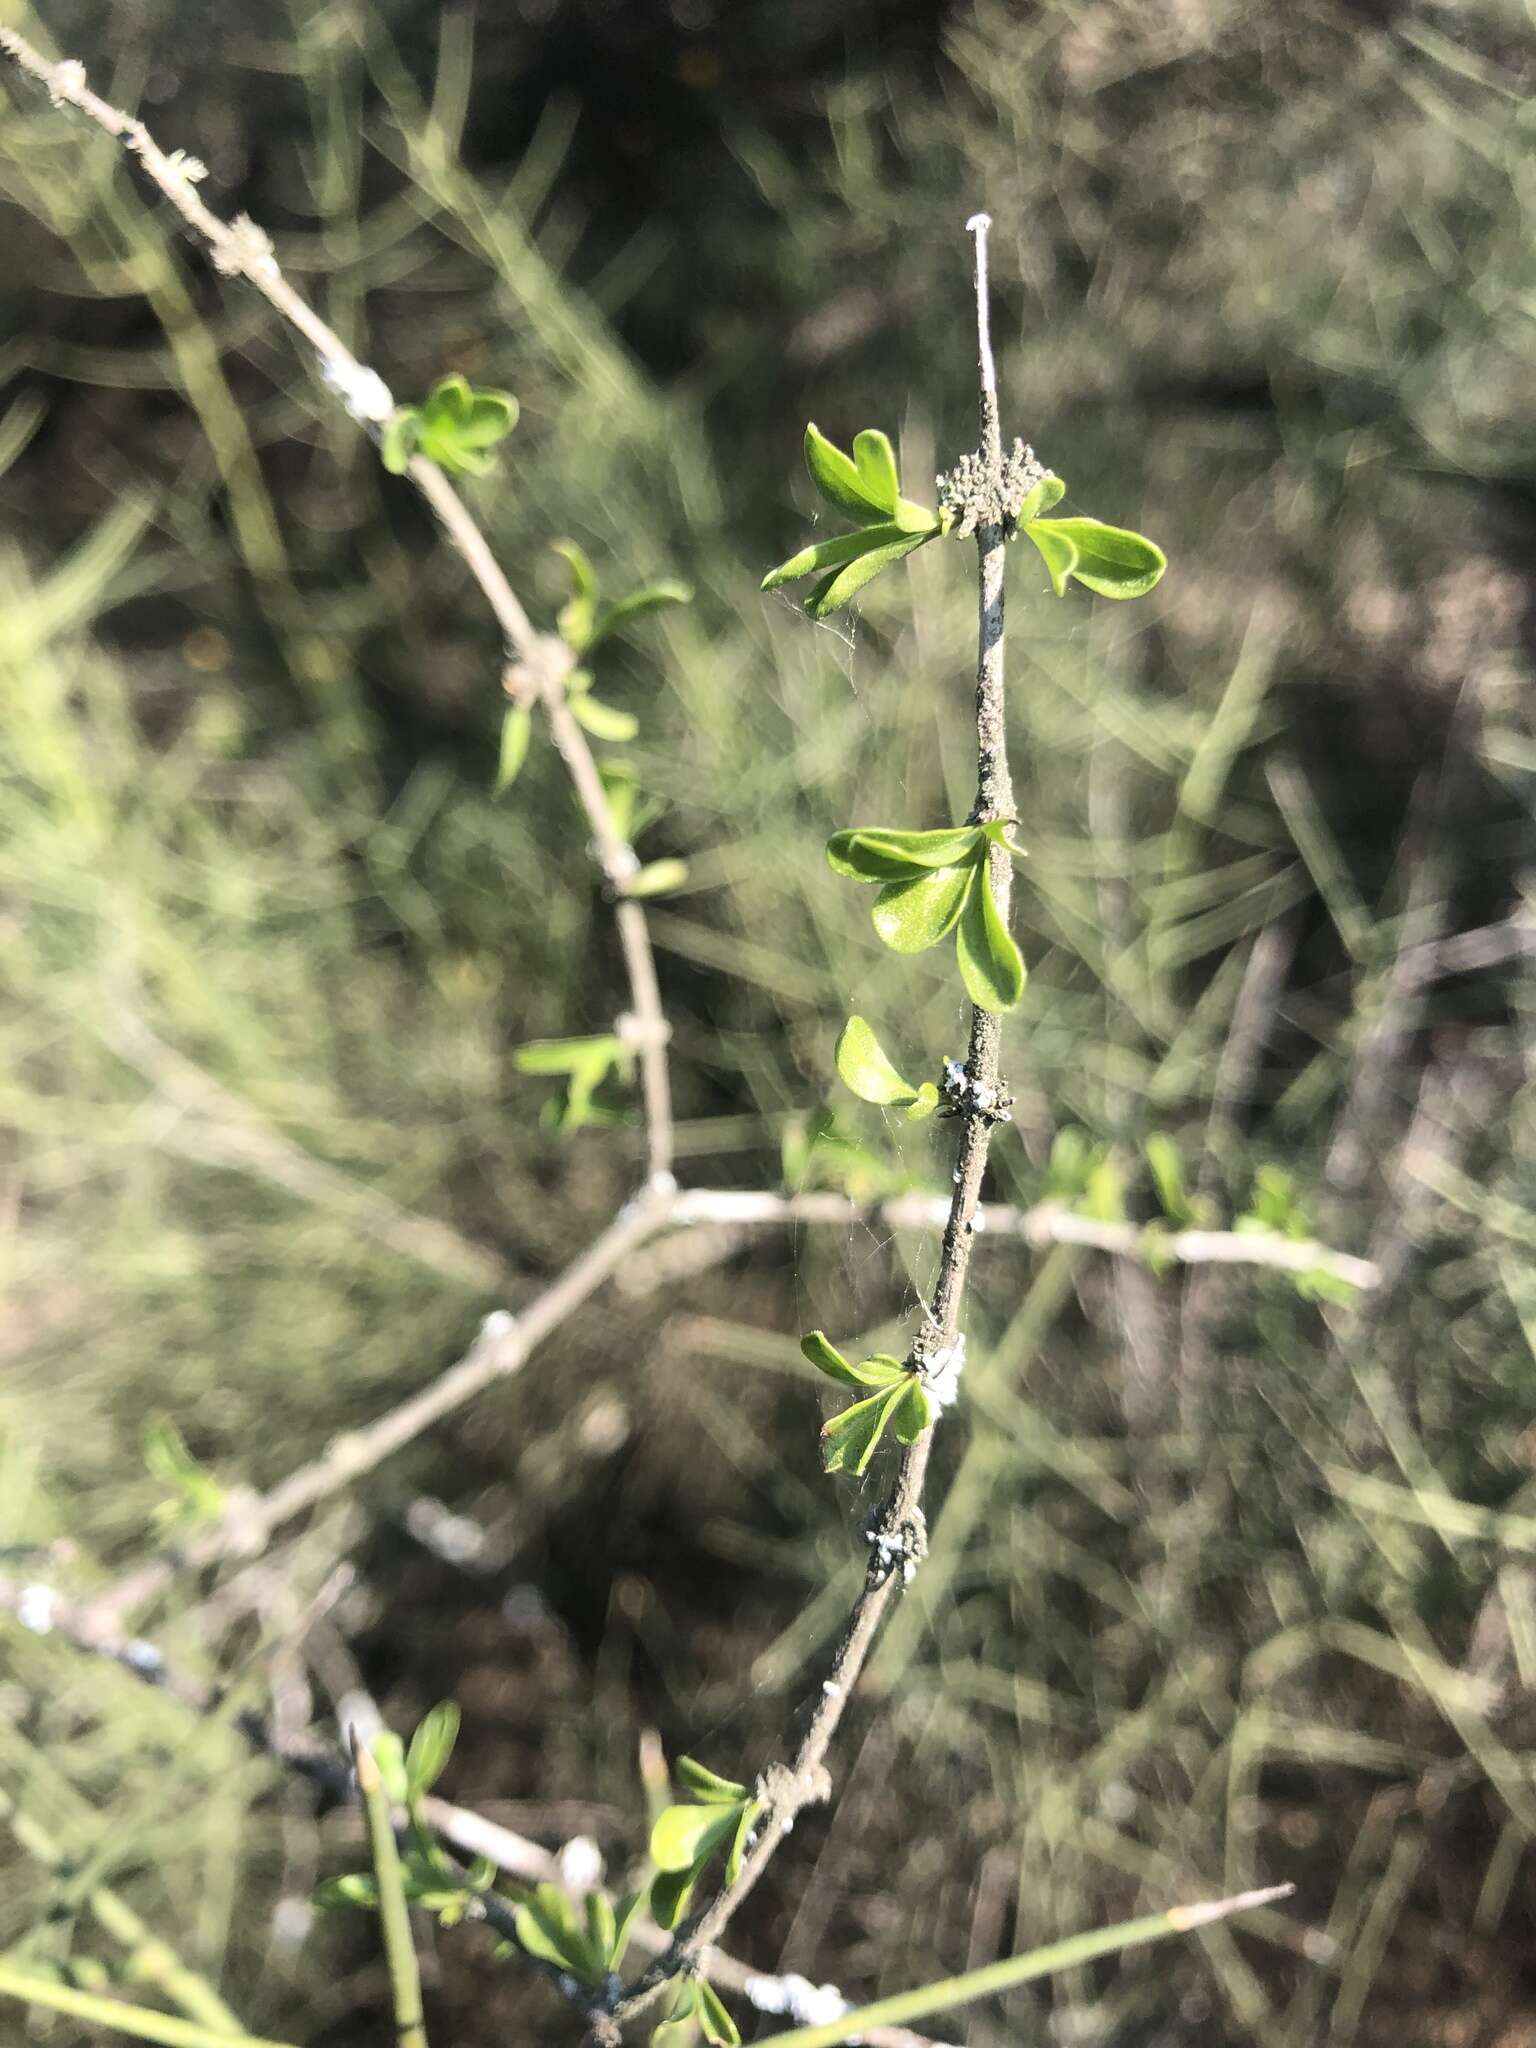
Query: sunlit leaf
826, 1357
716, 2024
707, 1785
603, 721
1048, 492
1110, 561
947, 846
1056, 550
431, 1747
911, 1415
748, 1821
831, 554
578, 614
875, 462
846, 583
639, 604
849, 1440
670, 1893
1168, 1175
516, 731
658, 879
686, 1835
848, 854
836, 477
912, 916
397, 439
991, 965
565, 1055
924, 1104
865, 1068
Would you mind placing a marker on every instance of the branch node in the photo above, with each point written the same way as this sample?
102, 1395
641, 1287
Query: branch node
539, 670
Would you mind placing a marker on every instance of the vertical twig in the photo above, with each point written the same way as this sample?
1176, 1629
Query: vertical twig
394, 1913
899, 1540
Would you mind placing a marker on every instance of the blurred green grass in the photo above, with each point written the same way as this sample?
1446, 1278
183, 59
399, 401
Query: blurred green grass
1197, 1612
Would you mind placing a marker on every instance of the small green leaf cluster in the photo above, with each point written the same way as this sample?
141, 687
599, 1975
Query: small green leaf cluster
821, 1151
864, 487
455, 426
1108, 560
197, 1496
899, 1403
587, 1063
1082, 1175
932, 884
868, 1071
430, 1877
686, 1838
583, 623
589, 1946
1275, 1209
696, 2013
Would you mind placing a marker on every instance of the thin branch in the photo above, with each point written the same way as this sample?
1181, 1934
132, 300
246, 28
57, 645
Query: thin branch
505, 1342
537, 663
503, 1345
898, 1541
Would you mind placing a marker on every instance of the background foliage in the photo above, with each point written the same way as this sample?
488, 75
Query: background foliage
1227, 1587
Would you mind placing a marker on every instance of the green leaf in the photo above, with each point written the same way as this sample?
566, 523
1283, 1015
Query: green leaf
516, 731
622, 789
653, 597
457, 425
602, 1927
838, 480
947, 846
912, 1414
1110, 560
565, 1055
546, 1927
1056, 549
670, 1893
1048, 492
627, 1914
357, 1888
166, 1453
388, 1753
991, 965
658, 879
875, 461
707, 1785
919, 519
1168, 1175
397, 441
431, 1747
850, 1440
831, 554
926, 1102
848, 855
578, 615
603, 721
682, 2015
912, 916
847, 583
862, 1063
749, 1819
716, 2024
686, 1835
826, 1358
